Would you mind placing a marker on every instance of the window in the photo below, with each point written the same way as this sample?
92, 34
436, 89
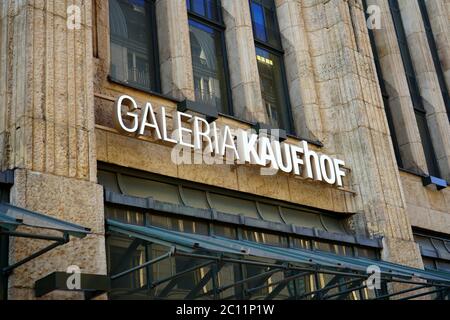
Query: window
435, 250
184, 276
211, 81
133, 43
434, 53
269, 56
419, 110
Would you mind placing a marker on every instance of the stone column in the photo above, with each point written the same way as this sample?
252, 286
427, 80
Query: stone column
354, 118
174, 49
47, 128
404, 119
428, 83
244, 77
299, 70
439, 19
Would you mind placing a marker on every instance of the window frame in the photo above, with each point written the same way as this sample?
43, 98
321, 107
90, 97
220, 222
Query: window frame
279, 52
153, 47
220, 27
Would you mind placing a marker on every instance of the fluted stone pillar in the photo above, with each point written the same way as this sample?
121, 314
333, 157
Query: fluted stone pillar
244, 77
47, 130
428, 83
299, 70
403, 117
439, 20
354, 118
174, 49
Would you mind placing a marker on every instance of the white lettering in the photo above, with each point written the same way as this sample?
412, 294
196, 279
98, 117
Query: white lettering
153, 124
129, 114
213, 145
180, 130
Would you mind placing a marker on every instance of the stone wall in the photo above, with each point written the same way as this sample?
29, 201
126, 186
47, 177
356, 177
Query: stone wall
47, 132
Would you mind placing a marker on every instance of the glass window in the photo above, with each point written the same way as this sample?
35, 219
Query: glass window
273, 90
433, 168
179, 225
124, 254
224, 231
265, 238
209, 9
125, 215
211, 83
269, 56
133, 43
264, 20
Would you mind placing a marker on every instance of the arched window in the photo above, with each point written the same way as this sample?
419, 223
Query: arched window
133, 43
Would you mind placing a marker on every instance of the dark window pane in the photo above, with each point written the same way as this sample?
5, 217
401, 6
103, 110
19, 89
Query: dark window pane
131, 42
124, 215
265, 238
208, 65
427, 144
273, 88
179, 225
124, 254
259, 24
264, 21
206, 8
224, 231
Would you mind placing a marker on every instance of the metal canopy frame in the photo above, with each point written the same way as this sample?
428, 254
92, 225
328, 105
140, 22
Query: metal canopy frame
346, 279
12, 218
57, 241
357, 281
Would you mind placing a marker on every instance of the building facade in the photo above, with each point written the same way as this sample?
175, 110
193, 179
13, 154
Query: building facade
377, 98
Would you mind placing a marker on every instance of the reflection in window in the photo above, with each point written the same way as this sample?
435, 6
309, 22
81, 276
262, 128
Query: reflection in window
273, 91
264, 22
124, 254
269, 56
132, 37
208, 54
265, 238
179, 225
206, 8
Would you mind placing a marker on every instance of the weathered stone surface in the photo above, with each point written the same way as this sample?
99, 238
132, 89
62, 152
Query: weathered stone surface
428, 84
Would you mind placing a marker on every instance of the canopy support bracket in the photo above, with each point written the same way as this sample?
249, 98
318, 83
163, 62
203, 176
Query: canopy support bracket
58, 242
